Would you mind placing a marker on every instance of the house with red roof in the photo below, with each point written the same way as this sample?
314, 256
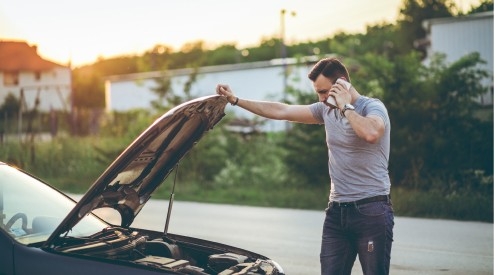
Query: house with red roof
38, 83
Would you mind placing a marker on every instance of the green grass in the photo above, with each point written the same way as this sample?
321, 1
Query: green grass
467, 205
72, 165
301, 197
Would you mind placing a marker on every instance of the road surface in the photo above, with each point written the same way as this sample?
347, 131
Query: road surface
292, 237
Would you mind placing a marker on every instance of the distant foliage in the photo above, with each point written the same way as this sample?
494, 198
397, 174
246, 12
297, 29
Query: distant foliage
442, 138
10, 107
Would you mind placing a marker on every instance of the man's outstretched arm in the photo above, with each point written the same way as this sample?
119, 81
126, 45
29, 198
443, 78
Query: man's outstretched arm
269, 109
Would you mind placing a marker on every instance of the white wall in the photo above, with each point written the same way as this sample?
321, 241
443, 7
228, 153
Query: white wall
457, 37
53, 89
264, 83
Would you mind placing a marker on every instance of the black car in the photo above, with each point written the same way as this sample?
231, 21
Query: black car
44, 231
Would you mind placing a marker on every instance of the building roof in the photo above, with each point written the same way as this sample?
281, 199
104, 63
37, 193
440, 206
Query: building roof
454, 19
216, 68
19, 56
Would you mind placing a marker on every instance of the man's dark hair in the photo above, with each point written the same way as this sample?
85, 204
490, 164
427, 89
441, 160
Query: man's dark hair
331, 68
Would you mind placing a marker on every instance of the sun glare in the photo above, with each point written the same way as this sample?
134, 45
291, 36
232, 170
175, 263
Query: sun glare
80, 33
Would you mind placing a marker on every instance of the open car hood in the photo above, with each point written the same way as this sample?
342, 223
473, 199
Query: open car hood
127, 184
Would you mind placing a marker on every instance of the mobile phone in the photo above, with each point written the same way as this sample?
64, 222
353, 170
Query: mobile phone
331, 100
346, 84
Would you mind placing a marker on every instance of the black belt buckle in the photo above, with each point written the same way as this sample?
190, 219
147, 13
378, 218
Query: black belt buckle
344, 204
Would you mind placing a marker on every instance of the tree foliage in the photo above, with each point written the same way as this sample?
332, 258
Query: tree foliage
485, 5
454, 136
437, 133
307, 157
441, 138
10, 106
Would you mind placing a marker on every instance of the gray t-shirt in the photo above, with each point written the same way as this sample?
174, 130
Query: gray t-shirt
358, 169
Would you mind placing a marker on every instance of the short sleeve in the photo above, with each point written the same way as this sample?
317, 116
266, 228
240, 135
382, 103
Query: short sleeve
377, 108
317, 109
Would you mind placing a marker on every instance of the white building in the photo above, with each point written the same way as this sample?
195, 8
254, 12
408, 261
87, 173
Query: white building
458, 36
30, 78
263, 80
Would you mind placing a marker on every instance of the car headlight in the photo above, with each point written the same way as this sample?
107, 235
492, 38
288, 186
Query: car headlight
277, 266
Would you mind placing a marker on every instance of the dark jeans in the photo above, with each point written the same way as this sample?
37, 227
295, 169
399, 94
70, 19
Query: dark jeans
365, 230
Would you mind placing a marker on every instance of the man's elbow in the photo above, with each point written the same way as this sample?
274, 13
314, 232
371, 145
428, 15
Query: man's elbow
374, 134
372, 137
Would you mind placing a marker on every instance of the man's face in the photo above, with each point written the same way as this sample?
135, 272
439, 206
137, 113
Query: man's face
322, 86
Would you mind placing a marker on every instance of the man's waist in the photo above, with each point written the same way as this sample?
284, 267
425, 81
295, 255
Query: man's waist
361, 201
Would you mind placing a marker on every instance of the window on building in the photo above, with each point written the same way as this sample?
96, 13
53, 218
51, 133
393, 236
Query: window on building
10, 78
37, 75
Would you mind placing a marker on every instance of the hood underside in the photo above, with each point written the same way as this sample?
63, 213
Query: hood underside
131, 179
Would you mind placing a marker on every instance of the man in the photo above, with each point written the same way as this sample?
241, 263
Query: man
359, 217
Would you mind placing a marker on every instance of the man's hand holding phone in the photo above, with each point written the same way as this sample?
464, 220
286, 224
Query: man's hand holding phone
335, 92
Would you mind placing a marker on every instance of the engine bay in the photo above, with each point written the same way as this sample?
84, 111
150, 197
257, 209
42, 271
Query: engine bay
179, 254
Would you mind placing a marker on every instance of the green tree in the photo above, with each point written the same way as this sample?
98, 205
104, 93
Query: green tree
156, 59
306, 155
224, 54
455, 135
435, 132
190, 55
166, 97
89, 90
485, 5
268, 49
10, 106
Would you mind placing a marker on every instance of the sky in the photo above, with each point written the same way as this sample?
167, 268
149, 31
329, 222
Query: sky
80, 32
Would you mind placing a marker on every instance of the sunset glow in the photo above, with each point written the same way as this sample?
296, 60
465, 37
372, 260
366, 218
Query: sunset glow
82, 31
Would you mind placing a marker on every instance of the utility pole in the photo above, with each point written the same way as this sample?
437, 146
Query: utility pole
283, 52
283, 49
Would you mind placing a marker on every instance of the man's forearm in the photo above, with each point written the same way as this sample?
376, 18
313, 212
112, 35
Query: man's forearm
267, 109
370, 128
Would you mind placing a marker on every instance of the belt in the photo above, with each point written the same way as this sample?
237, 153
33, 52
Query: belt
362, 201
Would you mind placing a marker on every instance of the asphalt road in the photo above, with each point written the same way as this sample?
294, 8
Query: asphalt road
292, 237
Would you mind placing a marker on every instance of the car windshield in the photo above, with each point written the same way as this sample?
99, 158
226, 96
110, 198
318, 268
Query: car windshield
30, 210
